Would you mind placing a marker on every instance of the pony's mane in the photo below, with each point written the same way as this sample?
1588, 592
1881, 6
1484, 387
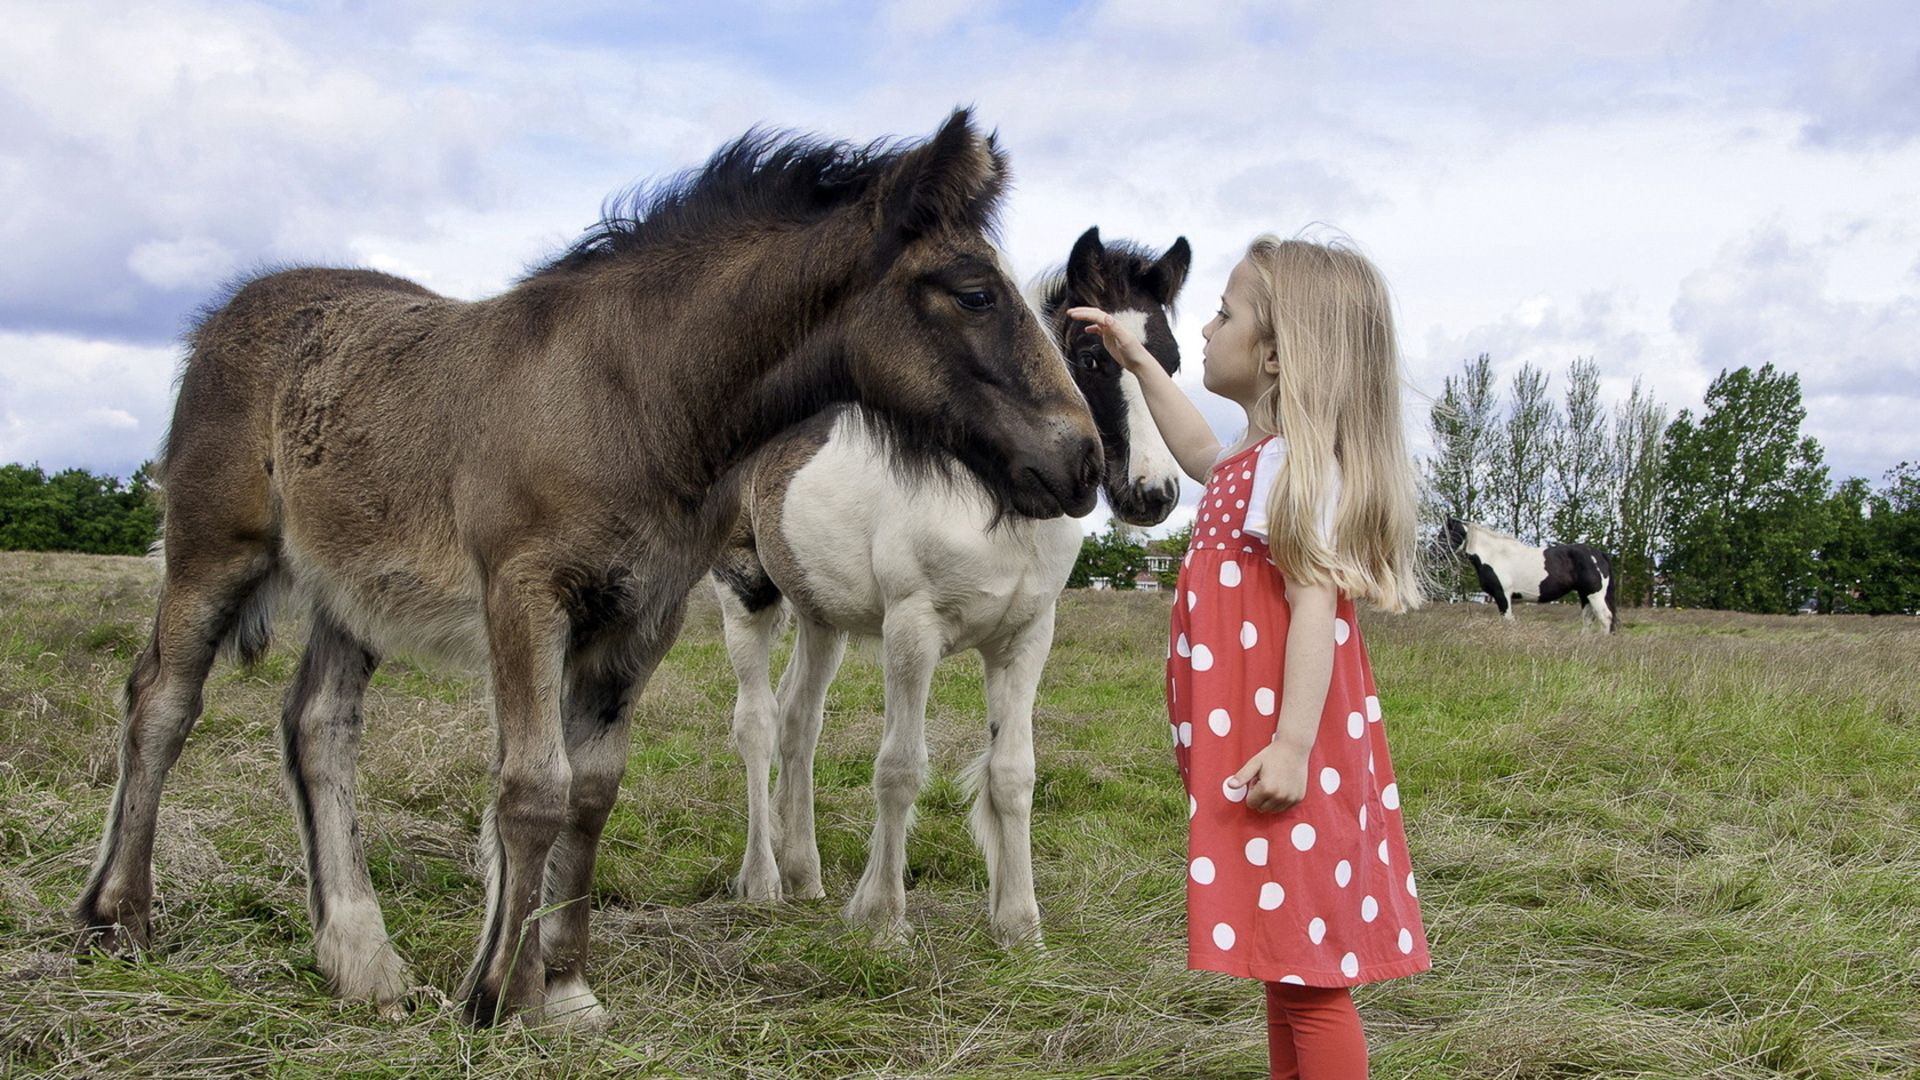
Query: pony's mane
764, 177
1497, 534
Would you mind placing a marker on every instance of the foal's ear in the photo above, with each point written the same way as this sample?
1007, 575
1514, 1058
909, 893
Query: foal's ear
1165, 277
1086, 272
954, 178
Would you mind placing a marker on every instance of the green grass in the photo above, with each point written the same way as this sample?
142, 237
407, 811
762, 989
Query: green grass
1686, 851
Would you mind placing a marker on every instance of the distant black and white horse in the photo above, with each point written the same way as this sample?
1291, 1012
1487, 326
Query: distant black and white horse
860, 537
1510, 570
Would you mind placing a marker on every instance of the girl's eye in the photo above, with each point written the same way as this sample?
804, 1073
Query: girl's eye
1221, 314
974, 299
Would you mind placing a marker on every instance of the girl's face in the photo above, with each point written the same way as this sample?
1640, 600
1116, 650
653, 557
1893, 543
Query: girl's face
1238, 362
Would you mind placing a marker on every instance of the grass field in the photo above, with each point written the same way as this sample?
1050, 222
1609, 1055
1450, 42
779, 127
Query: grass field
1687, 851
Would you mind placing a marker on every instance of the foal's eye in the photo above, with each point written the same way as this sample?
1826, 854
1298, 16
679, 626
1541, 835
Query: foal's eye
1087, 359
974, 299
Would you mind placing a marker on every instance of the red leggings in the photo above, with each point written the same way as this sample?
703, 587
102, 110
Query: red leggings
1313, 1033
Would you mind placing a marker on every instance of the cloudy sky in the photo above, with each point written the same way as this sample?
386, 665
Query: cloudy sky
1669, 188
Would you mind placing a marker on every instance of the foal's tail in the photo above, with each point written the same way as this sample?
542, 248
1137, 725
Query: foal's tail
984, 822
1613, 588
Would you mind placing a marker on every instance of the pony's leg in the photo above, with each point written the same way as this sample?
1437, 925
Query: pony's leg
320, 737
598, 717
749, 637
527, 635
201, 598
910, 647
1003, 778
1602, 614
817, 652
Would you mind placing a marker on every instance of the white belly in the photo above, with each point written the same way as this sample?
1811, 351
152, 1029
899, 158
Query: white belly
870, 540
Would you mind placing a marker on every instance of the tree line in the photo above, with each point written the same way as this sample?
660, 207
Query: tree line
75, 510
1732, 508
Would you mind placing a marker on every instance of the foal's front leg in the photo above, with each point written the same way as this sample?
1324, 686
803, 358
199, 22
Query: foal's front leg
817, 652
911, 645
749, 637
1003, 805
527, 635
598, 717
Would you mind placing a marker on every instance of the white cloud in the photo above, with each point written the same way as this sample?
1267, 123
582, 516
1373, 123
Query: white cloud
97, 405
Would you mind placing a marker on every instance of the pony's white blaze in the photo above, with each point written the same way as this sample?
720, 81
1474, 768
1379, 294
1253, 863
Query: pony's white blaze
1149, 462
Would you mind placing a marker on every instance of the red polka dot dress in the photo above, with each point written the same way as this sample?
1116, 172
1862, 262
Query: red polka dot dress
1321, 893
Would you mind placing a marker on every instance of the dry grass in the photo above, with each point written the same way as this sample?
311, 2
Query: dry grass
1689, 851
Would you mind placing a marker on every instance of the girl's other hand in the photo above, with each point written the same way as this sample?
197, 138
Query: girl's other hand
1275, 778
1121, 343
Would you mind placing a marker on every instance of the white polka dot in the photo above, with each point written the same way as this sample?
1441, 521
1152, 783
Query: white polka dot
1383, 852
1235, 534
1406, 940
1233, 794
1341, 631
1211, 532
1186, 733
1175, 728
1363, 817
1223, 936
1187, 560
1342, 873
1219, 721
1248, 475
1373, 708
1202, 870
1302, 836
1411, 891
1257, 851
1390, 796
1239, 504
1219, 504
1293, 980
1229, 573
1329, 780
1231, 488
1192, 599
1202, 658
1369, 909
1180, 646
1356, 724
1249, 635
1193, 807
1263, 700
1271, 896
1316, 930
1369, 760
1349, 965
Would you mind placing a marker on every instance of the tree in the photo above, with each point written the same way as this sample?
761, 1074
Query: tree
74, 510
1639, 502
1521, 458
1464, 430
1869, 555
1112, 554
1582, 465
1745, 495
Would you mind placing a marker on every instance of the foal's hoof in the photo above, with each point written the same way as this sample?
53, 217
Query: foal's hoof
112, 940
1018, 935
756, 888
572, 1007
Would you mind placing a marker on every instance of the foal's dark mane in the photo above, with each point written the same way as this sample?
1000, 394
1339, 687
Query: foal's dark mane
765, 177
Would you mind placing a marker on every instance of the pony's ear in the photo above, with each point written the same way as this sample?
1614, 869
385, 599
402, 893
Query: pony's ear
1086, 270
954, 178
1165, 277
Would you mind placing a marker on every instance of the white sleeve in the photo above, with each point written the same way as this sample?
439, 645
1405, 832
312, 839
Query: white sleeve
1266, 467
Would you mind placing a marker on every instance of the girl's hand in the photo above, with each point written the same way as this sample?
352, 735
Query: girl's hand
1120, 342
1275, 778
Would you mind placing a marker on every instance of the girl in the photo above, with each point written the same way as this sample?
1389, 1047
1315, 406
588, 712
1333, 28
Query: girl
1298, 873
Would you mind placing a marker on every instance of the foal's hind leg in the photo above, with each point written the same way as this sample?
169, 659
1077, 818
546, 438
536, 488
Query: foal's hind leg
817, 652
1003, 807
749, 634
199, 603
320, 734
598, 717
911, 643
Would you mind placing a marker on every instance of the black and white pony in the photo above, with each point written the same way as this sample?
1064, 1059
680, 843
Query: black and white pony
861, 536
1510, 570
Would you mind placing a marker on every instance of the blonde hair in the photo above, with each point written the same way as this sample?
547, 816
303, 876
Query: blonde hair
1325, 312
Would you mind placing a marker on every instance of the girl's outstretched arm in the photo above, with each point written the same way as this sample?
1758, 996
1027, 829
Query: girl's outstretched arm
1181, 425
